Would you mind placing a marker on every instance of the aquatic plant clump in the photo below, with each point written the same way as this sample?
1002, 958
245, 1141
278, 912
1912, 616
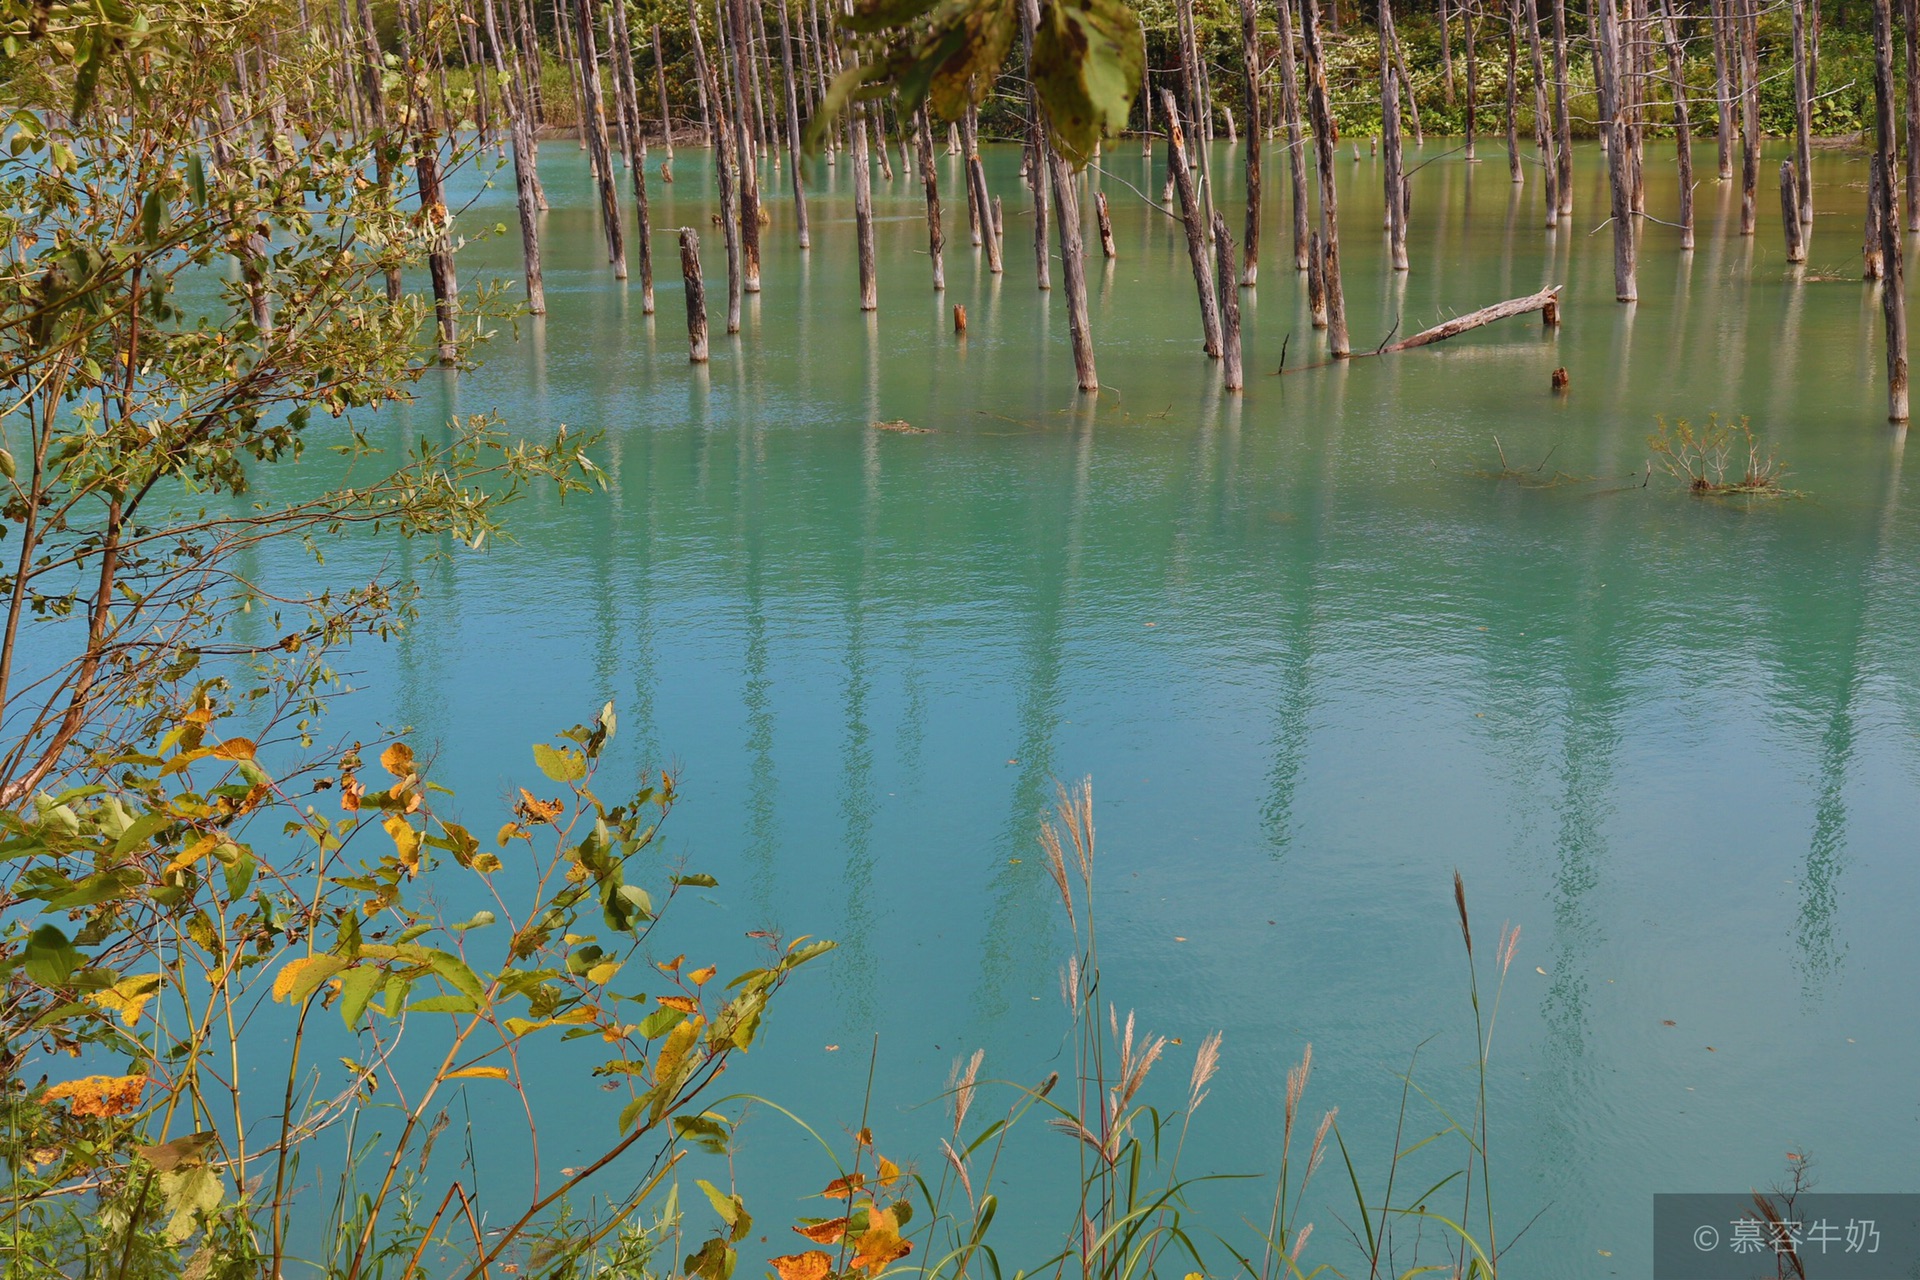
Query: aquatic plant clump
1704, 457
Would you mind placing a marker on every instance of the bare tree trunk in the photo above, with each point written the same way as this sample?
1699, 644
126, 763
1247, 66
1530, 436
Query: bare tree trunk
1722, 88
1562, 113
1394, 195
1543, 125
930, 181
1322, 113
1256, 142
1613, 111
724, 163
594, 127
748, 149
863, 214
1749, 114
1106, 225
1316, 281
1892, 291
1229, 304
1036, 167
696, 290
1073, 262
660, 81
1872, 247
1682, 122
1790, 213
1193, 219
983, 202
793, 139
1803, 117
521, 130
1290, 112
1910, 11
1469, 19
1513, 92
1406, 84
704, 81
433, 203
1446, 52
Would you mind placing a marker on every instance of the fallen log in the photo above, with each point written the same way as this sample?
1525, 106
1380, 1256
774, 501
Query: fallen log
1548, 297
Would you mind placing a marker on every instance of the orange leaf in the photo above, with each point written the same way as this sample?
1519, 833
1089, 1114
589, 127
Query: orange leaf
880, 1243
479, 1073
539, 810
844, 1188
685, 1004
811, 1265
864, 1137
828, 1232
100, 1095
700, 977
234, 749
397, 760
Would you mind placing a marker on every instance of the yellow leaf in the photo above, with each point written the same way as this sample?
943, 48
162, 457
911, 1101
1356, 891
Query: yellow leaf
478, 1073
235, 749
889, 1171
811, 1265
844, 1188
682, 1004
290, 973
536, 810
194, 852
603, 971
398, 760
880, 1243
406, 840
103, 1096
128, 996
700, 977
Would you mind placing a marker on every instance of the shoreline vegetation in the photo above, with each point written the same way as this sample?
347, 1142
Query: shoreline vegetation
227, 223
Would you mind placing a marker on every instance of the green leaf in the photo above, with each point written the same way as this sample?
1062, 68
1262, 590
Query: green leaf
1088, 62
138, 831
441, 1004
660, 1021
188, 1195
197, 178
562, 765
458, 975
311, 972
727, 1206
356, 989
50, 959
696, 881
153, 212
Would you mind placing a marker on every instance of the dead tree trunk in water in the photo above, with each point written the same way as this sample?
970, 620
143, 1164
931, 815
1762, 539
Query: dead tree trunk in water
1323, 145
793, 140
1073, 260
1749, 113
1395, 192
594, 128
1803, 118
930, 181
1910, 10
1722, 83
1613, 125
1871, 256
1229, 304
1513, 92
433, 202
1790, 213
1106, 225
1892, 292
696, 291
863, 214
1290, 112
1037, 169
1682, 122
520, 128
723, 172
1543, 125
1194, 220
988, 234
660, 81
1316, 282
1467, 18
1256, 140
1562, 113
740, 40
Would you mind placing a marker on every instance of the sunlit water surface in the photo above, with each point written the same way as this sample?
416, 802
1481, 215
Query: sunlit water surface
1313, 653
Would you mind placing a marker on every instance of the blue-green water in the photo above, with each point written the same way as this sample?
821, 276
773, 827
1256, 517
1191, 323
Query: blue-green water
1313, 655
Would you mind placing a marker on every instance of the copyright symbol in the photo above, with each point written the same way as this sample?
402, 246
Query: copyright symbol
1706, 1239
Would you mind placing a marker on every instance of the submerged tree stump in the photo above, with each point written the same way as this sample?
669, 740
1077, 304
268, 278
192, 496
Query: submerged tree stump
1195, 227
1229, 303
1790, 213
696, 291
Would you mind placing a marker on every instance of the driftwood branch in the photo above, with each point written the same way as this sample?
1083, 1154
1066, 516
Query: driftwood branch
1459, 324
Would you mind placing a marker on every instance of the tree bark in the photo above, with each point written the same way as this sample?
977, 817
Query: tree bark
1229, 304
1803, 117
1722, 88
1910, 11
1290, 112
1323, 145
1625, 286
1749, 114
1892, 291
1194, 221
594, 128
930, 182
526, 201
1395, 192
660, 81
1790, 213
1256, 142
1562, 113
863, 214
1543, 121
1106, 225
793, 141
1682, 122
696, 291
